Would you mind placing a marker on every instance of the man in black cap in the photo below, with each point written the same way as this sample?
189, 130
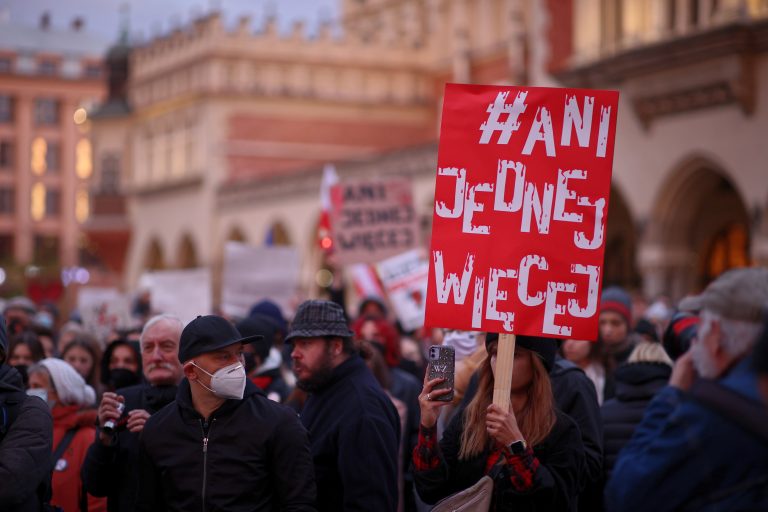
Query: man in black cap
354, 427
222, 445
26, 438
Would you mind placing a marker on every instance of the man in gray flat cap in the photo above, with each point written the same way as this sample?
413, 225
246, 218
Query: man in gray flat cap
703, 442
353, 427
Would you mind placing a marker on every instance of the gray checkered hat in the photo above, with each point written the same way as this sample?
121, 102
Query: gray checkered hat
319, 318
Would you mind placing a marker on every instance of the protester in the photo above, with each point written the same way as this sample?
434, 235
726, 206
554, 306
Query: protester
84, 355
689, 449
71, 401
25, 349
26, 438
112, 464
121, 364
350, 420
255, 453
637, 381
19, 313
382, 334
263, 362
534, 453
615, 325
590, 357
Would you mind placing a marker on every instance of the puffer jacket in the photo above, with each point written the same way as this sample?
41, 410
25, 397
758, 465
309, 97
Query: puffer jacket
25, 449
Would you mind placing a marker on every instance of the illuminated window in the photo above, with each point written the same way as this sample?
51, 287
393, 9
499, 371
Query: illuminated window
83, 163
728, 249
37, 206
82, 205
39, 150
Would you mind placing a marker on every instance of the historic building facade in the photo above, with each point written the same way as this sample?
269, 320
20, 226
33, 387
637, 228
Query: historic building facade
230, 129
50, 78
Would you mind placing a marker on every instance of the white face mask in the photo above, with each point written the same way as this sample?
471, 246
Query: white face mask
42, 394
227, 382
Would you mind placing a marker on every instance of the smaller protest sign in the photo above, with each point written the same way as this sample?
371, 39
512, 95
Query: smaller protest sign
103, 310
184, 293
252, 274
372, 220
405, 280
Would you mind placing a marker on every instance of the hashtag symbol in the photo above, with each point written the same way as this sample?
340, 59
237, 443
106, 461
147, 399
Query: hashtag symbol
498, 108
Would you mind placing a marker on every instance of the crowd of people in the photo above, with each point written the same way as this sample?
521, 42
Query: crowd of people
665, 411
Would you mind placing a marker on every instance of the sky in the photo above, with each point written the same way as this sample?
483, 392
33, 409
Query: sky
151, 17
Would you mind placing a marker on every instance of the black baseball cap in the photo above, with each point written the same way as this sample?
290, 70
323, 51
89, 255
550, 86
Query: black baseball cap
209, 333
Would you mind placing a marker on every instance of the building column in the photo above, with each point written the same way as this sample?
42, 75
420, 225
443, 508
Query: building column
70, 230
666, 270
23, 239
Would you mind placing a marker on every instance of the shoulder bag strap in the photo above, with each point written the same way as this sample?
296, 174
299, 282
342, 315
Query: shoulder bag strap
744, 412
63, 444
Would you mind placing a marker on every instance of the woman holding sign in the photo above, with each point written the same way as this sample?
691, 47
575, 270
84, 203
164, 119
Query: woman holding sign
533, 453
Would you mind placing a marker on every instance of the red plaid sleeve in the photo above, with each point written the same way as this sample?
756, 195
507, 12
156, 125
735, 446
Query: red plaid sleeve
522, 469
425, 454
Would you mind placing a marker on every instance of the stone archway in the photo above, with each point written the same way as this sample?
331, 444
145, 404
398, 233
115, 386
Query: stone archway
187, 254
620, 245
277, 235
154, 258
699, 228
236, 235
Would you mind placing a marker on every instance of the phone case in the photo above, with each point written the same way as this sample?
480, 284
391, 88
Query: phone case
442, 364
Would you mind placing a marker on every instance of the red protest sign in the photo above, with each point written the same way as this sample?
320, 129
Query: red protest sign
521, 199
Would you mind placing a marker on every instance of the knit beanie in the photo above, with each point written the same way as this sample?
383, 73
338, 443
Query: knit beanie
70, 386
680, 333
616, 299
545, 348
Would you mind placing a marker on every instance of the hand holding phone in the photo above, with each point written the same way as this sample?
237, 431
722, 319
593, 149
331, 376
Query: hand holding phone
442, 365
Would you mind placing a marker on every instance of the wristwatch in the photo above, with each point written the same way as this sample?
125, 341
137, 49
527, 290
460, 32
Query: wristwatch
517, 447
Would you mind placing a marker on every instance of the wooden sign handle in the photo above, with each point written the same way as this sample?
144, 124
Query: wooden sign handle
505, 359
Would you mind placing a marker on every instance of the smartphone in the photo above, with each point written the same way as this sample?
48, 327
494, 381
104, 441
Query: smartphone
442, 364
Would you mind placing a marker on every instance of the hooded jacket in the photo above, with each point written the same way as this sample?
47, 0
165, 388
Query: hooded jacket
355, 433
249, 455
25, 450
112, 471
67, 484
687, 456
636, 385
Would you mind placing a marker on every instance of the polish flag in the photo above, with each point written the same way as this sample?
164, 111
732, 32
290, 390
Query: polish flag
330, 178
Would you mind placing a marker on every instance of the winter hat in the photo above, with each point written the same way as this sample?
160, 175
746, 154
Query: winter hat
70, 386
318, 319
647, 328
545, 348
272, 310
463, 342
738, 294
680, 333
23, 303
616, 299
261, 325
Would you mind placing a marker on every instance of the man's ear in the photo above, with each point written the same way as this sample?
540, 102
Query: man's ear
189, 370
713, 340
337, 346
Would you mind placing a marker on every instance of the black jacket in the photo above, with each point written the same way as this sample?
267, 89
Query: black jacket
555, 484
251, 455
355, 431
112, 471
636, 385
26, 447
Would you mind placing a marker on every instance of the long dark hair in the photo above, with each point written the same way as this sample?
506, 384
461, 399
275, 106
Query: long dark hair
535, 420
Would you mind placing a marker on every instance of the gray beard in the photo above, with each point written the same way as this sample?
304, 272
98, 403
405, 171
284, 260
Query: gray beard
703, 362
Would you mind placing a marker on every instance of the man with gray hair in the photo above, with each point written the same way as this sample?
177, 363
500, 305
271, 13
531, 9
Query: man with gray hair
111, 466
698, 446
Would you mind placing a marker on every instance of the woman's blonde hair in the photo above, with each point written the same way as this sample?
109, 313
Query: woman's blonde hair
649, 352
535, 420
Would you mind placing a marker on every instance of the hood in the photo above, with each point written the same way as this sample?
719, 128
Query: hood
640, 381
71, 416
273, 361
10, 379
